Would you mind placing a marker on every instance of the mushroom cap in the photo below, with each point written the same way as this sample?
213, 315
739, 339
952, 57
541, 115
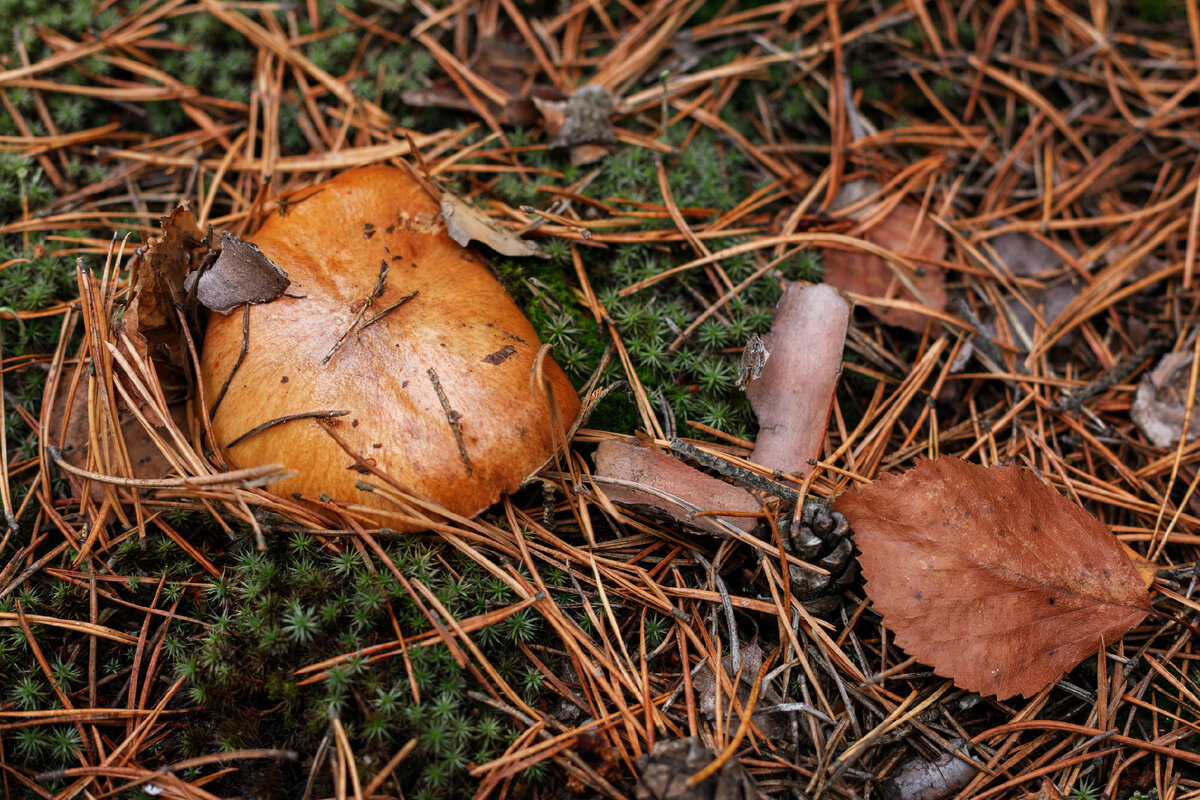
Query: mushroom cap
461, 326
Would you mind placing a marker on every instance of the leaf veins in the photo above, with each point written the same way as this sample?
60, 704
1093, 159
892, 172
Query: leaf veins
989, 575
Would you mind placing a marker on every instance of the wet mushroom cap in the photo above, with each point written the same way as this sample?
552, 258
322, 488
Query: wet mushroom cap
460, 332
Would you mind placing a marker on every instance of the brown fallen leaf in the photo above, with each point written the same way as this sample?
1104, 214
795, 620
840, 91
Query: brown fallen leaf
704, 686
904, 230
581, 122
797, 366
465, 224
509, 66
68, 432
664, 773
149, 330
1027, 255
240, 275
1160, 403
657, 474
990, 576
150, 321
922, 779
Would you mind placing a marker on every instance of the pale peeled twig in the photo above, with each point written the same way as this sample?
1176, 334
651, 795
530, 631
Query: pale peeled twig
796, 376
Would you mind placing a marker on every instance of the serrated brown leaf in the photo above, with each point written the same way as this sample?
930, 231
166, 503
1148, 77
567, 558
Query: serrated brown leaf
990, 576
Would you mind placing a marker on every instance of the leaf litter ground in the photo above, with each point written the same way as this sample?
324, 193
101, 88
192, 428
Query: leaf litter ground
557, 640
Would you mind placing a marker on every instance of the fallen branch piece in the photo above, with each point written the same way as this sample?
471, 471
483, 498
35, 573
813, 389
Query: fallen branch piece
655, 481
800, 360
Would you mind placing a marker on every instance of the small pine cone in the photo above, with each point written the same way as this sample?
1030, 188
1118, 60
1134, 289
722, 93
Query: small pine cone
821, 536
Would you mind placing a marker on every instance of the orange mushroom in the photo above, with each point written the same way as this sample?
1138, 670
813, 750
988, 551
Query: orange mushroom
388, 320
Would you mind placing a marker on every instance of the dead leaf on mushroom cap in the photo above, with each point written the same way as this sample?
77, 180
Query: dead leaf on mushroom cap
465, 224
240, 275
905, 230
990, 576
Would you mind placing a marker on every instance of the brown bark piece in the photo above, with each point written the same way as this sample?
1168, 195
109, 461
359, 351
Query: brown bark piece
661, 472
793, 392
989, 575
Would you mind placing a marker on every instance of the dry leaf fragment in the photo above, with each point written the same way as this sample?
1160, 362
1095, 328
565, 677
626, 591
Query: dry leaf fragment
989, 575
240, 275
922, 779
658, 474
906, 230
665, 770
801, 358
465, 223
581, 122
1026, 255
1160, 404
150, 320
68, 431
704, 686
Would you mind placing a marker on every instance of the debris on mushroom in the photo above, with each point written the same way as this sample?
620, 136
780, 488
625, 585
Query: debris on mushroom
240, 275
643, 478
429, 400
466, 224
793, 392
903, 229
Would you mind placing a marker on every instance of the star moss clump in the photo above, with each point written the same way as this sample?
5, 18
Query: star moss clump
241, 644
697, 379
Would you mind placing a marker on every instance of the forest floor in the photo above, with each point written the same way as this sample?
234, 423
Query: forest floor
185, 640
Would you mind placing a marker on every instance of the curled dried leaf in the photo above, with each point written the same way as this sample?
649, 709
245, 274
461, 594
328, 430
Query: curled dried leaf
240, 275
1160, 404
465, 223
989, 575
